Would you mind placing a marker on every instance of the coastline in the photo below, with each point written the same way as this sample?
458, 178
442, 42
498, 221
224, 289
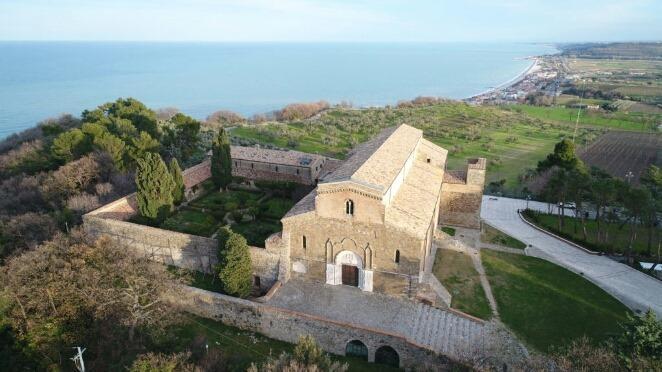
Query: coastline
522, 75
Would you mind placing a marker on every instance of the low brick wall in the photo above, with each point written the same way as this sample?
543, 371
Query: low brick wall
177, 249
287, 325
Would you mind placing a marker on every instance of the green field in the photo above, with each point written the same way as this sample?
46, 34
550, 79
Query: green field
456, 272
618, 234
494, 236
639, 80
512, 138
589, 118
512, 141
546, 305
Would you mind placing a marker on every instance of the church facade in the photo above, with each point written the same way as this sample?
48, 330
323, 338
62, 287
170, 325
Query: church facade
370, 222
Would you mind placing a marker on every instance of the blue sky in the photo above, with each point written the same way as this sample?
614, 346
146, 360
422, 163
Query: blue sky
331, 20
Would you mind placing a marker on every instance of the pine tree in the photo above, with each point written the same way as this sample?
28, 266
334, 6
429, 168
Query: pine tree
221, 162
154, 186
179, 189
234, 267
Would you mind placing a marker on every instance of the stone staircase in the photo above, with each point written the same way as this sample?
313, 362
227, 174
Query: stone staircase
444, 331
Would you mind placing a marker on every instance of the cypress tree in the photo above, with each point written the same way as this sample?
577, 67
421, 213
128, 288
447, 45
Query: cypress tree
221, 162
234, 267
179, 189
154, 186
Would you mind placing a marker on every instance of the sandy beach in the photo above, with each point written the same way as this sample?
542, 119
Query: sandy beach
534, 67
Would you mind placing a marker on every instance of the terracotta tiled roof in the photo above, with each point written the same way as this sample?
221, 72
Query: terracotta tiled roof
455, 176
377, 162
412, 209
284, 157
197, 174
305, 205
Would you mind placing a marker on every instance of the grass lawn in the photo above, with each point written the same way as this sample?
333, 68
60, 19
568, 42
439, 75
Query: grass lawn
456, 272
618, 120
256, 232
198, 279
241, 347
618, 236
191, 221
494, 236
448, 230
546, 305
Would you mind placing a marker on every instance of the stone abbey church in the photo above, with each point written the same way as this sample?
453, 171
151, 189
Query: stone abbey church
370, 222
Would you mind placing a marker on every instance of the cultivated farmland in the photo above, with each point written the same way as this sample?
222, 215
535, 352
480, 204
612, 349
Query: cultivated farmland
621, 152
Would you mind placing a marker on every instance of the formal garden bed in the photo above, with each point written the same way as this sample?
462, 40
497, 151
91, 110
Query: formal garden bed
254, 212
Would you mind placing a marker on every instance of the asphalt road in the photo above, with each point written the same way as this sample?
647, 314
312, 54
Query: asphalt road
636, 290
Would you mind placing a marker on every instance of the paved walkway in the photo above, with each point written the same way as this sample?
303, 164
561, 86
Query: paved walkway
635, 289
439, 330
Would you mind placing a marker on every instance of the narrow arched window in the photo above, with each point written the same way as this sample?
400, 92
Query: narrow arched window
397, 256
303, 242
276, 169
252, 165
349, 207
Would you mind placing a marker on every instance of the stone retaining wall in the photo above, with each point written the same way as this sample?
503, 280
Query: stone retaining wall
287, 325
177, 249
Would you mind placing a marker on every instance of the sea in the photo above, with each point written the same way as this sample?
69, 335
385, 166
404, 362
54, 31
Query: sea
39, 80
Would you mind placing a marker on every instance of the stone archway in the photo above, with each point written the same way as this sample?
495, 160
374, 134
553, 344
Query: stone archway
356, 349
387, 355
348, 268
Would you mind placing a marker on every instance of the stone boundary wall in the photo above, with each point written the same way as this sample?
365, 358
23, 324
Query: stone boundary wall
178, 249
262, 175
287, 325
460, 205
461, 198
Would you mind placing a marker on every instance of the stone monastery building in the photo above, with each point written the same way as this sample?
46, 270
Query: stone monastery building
370, 222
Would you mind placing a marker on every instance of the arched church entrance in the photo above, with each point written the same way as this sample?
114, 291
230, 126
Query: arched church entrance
349, 265
350, 275
348, 268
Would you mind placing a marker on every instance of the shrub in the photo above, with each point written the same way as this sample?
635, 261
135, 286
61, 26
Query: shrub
234, 267
178, 179
224, 117
300, 111
221, 166
307, 356
70, 145
152, 362
72, 178
641, 340
83, 203
154, 188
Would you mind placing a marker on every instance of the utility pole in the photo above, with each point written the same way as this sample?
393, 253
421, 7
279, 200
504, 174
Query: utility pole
579, 111
629, 175
78, 359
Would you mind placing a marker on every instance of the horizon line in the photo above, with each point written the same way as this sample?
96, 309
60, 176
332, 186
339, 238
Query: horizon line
328, 41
